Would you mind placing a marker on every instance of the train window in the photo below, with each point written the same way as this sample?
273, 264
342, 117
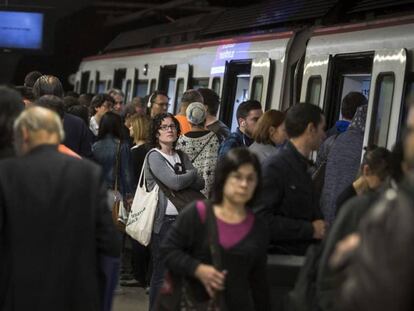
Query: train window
109, 86
215, 85
257, 88
314, 90
90, 87
199, 83
178, 94
141, 87
153, 85
77, 87
84, 82
381, 111
170, 92
127, 89
101, 87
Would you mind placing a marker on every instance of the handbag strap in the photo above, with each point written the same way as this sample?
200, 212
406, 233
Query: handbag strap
202, 148
213, 240
116, 171
164, 188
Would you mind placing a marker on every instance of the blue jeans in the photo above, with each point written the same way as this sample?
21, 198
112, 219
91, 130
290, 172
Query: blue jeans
158, 268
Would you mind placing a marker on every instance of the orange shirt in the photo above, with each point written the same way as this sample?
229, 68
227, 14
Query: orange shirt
184, 124
65, 150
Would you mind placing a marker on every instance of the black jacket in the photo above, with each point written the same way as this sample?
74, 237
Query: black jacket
288, 201
54, 227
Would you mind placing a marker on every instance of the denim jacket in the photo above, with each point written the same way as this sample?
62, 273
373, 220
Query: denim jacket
105, 152
236, 139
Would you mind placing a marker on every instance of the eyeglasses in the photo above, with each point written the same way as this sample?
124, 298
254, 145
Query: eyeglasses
165, 105
165, 128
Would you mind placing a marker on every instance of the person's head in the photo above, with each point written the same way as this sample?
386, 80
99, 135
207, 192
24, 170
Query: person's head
85, 99
306, 121
37, 126
101, 104
350, 103
376, 166
158, 103
31, 77
237, 177
118, 97
139, 106
110, 124
69, 101
211, 101
397, 162
139, 127
81, 112
51, 102
248, 113
196, 114
270, 128
190, 96
72, 93
11, 105
47, 85
164, 129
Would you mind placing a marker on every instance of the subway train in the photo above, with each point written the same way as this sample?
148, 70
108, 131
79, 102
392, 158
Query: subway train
279, 67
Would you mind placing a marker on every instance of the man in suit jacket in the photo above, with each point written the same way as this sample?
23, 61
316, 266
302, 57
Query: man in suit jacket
55, 224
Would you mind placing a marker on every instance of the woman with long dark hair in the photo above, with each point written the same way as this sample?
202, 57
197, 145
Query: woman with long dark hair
164, 165
242, 238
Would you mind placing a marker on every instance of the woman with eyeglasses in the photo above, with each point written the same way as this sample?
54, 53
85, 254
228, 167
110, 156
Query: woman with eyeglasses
165, 165
242, 239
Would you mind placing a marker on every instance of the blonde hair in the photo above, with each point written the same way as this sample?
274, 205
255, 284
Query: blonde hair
140, 126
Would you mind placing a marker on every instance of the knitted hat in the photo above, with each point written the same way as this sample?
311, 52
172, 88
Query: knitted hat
196, 113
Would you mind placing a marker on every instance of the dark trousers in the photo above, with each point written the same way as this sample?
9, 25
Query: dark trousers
140, 262
158, 268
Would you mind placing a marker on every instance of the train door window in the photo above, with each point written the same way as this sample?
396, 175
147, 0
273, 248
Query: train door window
314, 90
170, 92
153, 85
101, 87
119, 78
235, 90
257, 88
381, 111
84, 82
215, 85
197, 83
141, 87
127, 89
109, 86
178, 94
90, 87
167, 77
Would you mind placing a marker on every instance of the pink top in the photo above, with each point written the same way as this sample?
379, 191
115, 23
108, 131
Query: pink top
229, 234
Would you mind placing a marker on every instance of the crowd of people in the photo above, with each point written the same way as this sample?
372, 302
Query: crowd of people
71, 164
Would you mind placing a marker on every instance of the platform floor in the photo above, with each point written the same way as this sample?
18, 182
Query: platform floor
131, 299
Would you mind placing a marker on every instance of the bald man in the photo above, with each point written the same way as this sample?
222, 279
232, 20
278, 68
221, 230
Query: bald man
55, 223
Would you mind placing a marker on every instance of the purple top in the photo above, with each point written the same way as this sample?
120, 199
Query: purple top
229, 234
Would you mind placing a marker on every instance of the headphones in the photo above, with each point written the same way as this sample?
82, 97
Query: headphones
149, 104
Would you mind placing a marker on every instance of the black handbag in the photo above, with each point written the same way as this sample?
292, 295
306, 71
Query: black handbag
184, 294
180, 198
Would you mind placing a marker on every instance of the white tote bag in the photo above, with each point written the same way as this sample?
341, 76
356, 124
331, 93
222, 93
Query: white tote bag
141, 216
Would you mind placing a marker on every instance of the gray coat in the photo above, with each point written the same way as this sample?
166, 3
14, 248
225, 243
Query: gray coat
263, 151
162, 171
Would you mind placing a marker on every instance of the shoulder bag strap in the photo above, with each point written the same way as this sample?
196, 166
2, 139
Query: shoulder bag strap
202, 148
116, 171
163, 187
213, 240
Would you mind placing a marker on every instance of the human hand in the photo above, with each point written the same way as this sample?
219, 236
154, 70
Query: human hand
319, 228
211, 278
344, 248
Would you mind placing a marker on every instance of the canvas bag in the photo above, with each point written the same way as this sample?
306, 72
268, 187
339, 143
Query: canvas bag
141, 216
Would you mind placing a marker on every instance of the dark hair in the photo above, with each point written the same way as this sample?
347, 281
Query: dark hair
85, 99
25, 92
378, 160
299, 116
81, 112
397, 158
270, 118
153, 96
52, 102
47, 85
350, 103
11, 104
31, 78
247, 106
110, 124
231, 162
98, 100
69, 101
191, 96
211, 100
155, 126
72, 93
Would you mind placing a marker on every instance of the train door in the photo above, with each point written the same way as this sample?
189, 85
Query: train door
131, 75
235, 90
153, 78
119, 78
84, 82
314, 79
348, 73
167, 82
181, 85
384, 109
259, 81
